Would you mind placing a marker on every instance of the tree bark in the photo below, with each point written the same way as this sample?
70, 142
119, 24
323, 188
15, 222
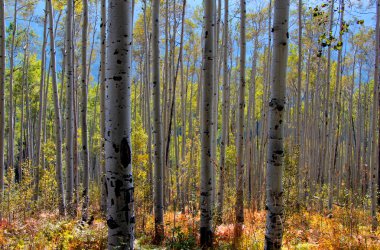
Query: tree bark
206, 231
58, 119
11, 117
84, 113
239, 213
376, 99
223, 144
118, 150
40, 112
274, 187
298, 106
2, 103
70, 109
157, 126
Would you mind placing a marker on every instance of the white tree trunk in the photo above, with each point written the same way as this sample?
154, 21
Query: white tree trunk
206, 231
103, 202
40, 110
239, 213
157, 126
274, 188
70, 108
375, 158
223, 143
2, 88
58, 119
11, 117
84, 113
298, 106
118, 150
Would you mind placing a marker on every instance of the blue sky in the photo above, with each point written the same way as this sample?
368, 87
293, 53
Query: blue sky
353, 10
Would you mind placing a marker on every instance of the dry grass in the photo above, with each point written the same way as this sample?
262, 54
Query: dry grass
346, 229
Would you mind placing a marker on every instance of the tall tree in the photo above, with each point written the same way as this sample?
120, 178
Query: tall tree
298, 106
274, 187
327, 120
239, 213
11, 118
335, 122
41, 103
157, 126
376, 99
118, 150
103, 202
2, 88
70, 108
206, 232
58, 119
224, 117
84, 113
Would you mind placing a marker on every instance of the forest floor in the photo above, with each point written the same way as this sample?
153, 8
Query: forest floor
343, 229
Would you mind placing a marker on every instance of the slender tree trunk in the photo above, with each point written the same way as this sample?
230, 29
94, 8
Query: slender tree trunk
377, 81
264, 116
118, 150
376, 99
148, 98
157, 126
326, 133
298, 106
223, 143
21, 149
70, 109
11, 117
183, 97
103, 202
84, 113
206, 232
29, 135
165, 96
274, 189
75, 143
58, 120
214, 131
334, 121
252, 125
304, 164
44, 112
40, 113
350, 161
239, 213
359, 134
2, 103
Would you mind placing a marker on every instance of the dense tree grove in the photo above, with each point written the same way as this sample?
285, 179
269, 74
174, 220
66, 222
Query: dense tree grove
189, 125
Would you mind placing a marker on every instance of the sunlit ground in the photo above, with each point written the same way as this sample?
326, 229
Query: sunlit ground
346, 229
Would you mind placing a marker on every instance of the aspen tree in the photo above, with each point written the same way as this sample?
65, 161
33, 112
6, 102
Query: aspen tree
118, 148
40, 113
239, 212
206, 231
84, 113
157, 126
298, 106
58, 119
70, 108
223, 143
375, 156
274, 187
2, 88
11, 115
103, 202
